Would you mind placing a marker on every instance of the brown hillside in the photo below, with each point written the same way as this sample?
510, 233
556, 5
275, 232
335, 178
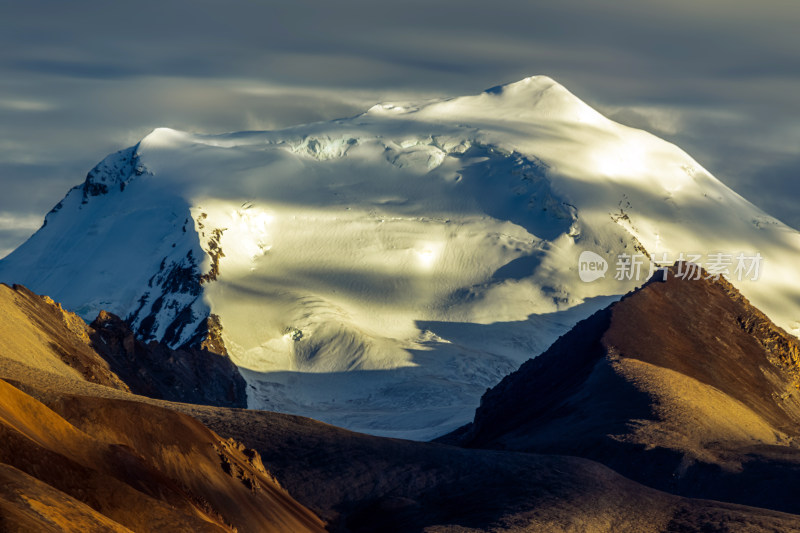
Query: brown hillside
38, 332
682, 385
87, 455
144, 467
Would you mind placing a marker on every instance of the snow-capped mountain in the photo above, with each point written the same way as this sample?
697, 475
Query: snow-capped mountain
380, 272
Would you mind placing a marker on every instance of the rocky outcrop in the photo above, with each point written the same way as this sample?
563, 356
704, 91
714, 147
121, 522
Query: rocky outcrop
38, 332
174, 291
215, 252
783, 349
198, 372
115, 171
682, 385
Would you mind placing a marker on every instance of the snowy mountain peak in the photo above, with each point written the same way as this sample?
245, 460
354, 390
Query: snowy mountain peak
531, 84
380, 272
532, 100
164, 138
535, 92
112, 173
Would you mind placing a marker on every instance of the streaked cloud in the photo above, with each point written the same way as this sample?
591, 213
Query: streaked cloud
15, 221
15, 228
721, 78
25, 105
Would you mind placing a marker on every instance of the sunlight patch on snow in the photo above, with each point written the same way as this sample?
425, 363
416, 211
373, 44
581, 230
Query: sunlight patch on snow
240, 230
626, 159
428, 254
165, 138
250, 229
380, 272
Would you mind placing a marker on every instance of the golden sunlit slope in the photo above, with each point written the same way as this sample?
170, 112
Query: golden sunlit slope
361, 483
96, 464
80, 456
40, 333
27, 504
143, 467
683, 385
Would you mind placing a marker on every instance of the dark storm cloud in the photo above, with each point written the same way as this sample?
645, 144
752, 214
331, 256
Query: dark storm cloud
75, 69
783, 177
721, 78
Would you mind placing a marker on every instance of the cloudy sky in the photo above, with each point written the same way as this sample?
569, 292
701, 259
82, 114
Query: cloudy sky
80, 79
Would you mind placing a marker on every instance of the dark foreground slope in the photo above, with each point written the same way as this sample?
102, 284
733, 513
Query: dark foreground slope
39, 332
97, 464
682, 385
80, 456
197, 372
92, 463
370, 484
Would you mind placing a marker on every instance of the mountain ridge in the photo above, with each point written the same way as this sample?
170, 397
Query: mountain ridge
86, 456
373, 492
682, 385
412, 255
106, 352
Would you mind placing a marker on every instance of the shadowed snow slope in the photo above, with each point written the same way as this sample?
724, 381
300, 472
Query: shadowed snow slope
380, 272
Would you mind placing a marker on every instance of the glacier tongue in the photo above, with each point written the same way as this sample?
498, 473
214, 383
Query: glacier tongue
380, 272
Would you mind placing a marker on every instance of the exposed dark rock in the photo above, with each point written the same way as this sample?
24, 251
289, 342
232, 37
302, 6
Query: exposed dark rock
172, 279
208, 336
199, 372
181, 277
215, 253
115, 171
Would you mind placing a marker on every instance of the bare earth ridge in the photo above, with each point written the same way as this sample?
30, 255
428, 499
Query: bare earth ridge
682, 385
83, 456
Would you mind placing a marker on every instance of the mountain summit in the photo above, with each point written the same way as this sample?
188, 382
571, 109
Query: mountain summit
380, 272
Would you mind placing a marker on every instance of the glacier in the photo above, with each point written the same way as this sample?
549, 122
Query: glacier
379, 272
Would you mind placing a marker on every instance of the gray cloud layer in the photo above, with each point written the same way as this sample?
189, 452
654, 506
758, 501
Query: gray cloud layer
84, 78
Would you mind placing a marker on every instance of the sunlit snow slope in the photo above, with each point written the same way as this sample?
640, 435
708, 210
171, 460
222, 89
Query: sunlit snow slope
380, 272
